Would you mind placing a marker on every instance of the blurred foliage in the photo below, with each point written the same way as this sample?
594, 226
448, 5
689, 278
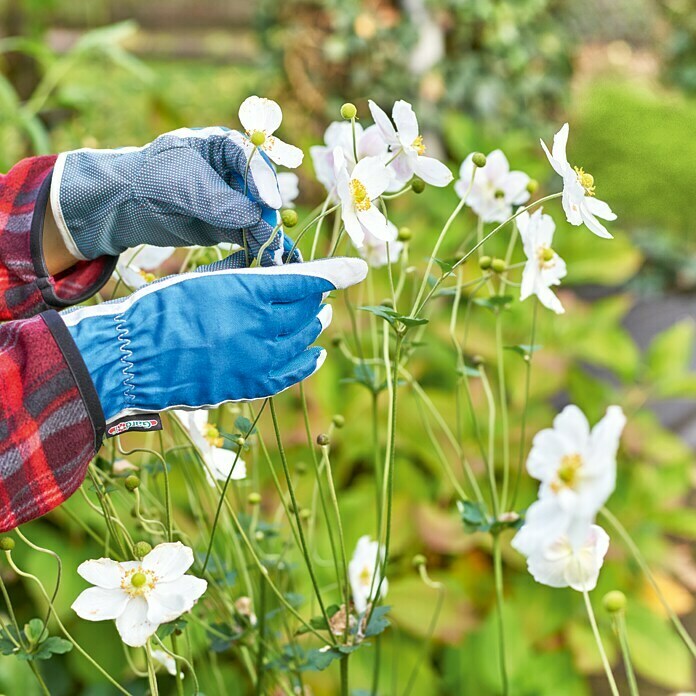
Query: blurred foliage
680, 48
505, 62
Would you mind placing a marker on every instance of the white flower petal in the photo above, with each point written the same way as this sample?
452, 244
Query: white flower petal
132, 624
169, 561
560, 142
571, 423
282, 153
406, 121
372, 174
260, 114
169, 600
99, 604
599, 208
432, 171
383, 123
102, 572
593, 224
289, 186
146, 256
352, 224
374, 222
497, 167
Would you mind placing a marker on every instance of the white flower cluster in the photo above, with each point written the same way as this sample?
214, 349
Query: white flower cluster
576, 468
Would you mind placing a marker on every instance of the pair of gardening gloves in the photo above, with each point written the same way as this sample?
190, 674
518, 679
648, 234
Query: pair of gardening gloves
225, 332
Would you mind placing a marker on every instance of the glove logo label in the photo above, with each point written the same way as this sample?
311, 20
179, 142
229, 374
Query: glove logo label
139, 423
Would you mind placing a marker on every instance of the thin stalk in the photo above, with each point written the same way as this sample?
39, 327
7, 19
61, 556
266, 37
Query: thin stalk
502, 396
600, 645
500, 603
490, 459
619, 621
344, 676
635, 551
262, 633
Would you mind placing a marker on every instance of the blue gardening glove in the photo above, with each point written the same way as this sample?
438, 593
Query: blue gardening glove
199, 339
186, 188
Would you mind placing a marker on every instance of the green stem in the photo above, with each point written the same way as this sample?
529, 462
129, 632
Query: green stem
344, 676
502, 396
619, 621
633, 548
262, 633
600, 645
500, 603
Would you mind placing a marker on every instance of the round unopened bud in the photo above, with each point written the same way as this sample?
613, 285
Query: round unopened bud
240, 441
6, 544
405, 234
254, 498
417, 185
305, 513
289, 217
614, 601
259, 535
258, 138
479, 159
498, 265
387, 302
323, 440
132, 482
477, 360
418, 560
532, 185
141, 549
338, 420
348, 111
485, 263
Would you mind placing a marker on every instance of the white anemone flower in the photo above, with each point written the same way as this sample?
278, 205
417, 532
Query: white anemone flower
379, 252
218, 460
544, 267
579, 202
364, 582
495, 189
338, 134
576, 466
561, 564
140, 595
135, 266
358, 190
407, 146
289, 186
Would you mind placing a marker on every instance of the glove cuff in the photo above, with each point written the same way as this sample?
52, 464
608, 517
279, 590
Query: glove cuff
56, 208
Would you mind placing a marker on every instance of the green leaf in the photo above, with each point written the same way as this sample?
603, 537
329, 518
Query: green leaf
244, 426
33, 630
473, 517
378, 621
524, 350
167, 629
380, 311
669, 355
53, 646
495, 303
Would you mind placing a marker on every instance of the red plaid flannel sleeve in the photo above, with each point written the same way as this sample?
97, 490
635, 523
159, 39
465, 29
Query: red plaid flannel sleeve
26, 287
51, 423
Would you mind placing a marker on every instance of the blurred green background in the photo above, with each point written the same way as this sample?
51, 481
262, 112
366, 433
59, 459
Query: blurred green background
481, 74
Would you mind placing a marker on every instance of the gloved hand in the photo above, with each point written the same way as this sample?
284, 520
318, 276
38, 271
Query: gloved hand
199, 339
185, 188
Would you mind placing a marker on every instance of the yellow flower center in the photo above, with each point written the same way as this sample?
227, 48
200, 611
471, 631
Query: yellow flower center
147, 277
258, 138
212, 435
365, 577
138, 581
418, 145
359, 193
568, 472
545, 255
586, 180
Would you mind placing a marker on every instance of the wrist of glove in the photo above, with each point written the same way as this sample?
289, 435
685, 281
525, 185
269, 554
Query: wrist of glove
187, 188
200, 339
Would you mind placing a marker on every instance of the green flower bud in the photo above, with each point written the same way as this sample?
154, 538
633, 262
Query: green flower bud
479, 159
132, 482
323, 440
141, 549
254, 498
614, 601
338, 420
301, 468
348, 111
417, 185
289, 217
387, 302
6, 544
477, 360
485, 263
305, 513
405, 234
498, 265
240, 441
259, 535
419, 560
532, 185
258, 138
337, 341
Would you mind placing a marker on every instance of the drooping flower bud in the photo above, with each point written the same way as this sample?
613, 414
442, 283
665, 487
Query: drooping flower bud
323, 440
498, 265
417, 185
141, 549
338, 420
485, 263
614, 601
418, 560
532, 185
405, 234
254, 498
132, 482
6, 544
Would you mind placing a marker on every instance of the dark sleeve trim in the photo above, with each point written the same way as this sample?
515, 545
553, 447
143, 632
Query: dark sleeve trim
43, 278
80, 373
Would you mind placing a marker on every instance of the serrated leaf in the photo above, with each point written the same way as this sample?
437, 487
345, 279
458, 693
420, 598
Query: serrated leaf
53, 646
33, 630
244, 426
378, 621
473, 517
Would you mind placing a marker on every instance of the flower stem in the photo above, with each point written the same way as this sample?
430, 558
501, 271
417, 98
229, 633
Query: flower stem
500, 603
262, 633
344, 676
502, 396
633, 548
600, 645
619, 621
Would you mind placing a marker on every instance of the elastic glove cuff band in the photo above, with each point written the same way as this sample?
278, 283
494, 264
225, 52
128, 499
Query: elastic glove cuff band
58, 211
79, 371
